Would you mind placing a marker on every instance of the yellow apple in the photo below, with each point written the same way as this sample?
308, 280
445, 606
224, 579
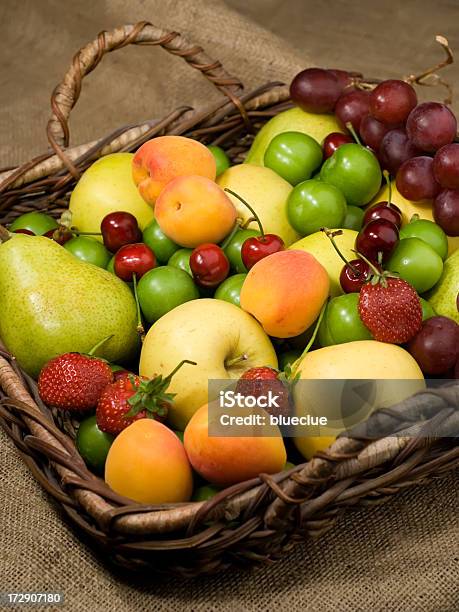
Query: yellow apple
292, 120
107, 186
320, 246
391, 373
423, 208
266, 192
221, 338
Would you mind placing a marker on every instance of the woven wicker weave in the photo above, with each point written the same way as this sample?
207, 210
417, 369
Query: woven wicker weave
250, 522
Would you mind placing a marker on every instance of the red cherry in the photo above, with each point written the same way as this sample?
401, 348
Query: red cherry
379, 236
134, 259
25, 231
119, 229
209, 265
259, 247
384, 210
354, 275
333, 141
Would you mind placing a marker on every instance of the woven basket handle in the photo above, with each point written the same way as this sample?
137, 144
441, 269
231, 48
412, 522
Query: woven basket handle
66, 94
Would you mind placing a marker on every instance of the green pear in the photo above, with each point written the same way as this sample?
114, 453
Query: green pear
292, 120
107, 186
444, 296
52, 303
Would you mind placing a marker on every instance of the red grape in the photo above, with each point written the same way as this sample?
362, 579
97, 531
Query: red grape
392, 101
415, 179
446, 211
395, 149
315, 90
446, 166
436, 346
380, 236
384, 210
344, 78
352, 107
333, 141
431, 125
372, 132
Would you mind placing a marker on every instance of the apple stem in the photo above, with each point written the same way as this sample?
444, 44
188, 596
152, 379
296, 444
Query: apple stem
140, 327
350, 127
4, 234
99, 344
256, 217
236, 360
331, 236
296, 364
236, 228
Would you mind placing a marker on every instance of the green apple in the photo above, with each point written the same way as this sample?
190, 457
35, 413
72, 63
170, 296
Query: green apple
221, 338
266, 192
296, 120
320, 246
107, 186
444, 296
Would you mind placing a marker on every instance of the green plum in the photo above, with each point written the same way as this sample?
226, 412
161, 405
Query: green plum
221, 158
417, 263
314, 204
162, 289
354, 218
294, 156
427, 310
288, 358
159, 243
37, 222
89, 250
93, 444
429, 232
181, 259
234, 246
230, 289
204, 493
341, 321
355, 171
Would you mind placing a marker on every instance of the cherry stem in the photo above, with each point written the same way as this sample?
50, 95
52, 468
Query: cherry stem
4, 234
140, 327
77, 233
236, 228
374, 269
331, 236
256, 217
236, 360
177, 368
99, 344
296, 364
350, 127
389, 187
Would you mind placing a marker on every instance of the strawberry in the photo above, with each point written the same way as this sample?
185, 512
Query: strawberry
390, 308
73, 381
259, 381
131, 398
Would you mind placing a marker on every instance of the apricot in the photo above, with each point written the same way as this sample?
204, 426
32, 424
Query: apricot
148, 463
285, 292
162, 159
192, 210
224, 461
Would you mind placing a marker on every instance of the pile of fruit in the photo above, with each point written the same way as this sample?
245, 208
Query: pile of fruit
330, 253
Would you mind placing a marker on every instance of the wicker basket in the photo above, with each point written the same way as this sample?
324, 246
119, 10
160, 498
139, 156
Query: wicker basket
253, 521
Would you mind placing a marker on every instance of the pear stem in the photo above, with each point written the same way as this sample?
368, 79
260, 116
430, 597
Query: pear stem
350, 127
331, 236
140, 327
296, 364
256, 217
4, 234
99, 344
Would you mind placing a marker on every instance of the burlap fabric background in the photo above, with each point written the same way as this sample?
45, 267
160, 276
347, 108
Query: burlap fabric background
402, 556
